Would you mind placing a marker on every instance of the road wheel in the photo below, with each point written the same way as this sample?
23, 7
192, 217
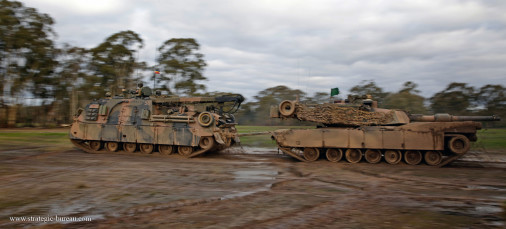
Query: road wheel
413, 157
393, 156
334, 155
96, 145
146, 148
459, 144
166, 149
311, 154
433, 157
353, 155
130, 147
185, 150
206, 142
112, 146
372, 156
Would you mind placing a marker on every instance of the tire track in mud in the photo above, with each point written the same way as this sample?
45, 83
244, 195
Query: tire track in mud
424, 181
313, 216
41, 153
256, 193
48, 172
488, 210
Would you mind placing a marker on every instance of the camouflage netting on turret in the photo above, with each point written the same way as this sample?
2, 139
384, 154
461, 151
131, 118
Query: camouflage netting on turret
333, 114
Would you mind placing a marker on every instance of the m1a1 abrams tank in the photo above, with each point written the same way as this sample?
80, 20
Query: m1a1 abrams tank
146, 123
366, 131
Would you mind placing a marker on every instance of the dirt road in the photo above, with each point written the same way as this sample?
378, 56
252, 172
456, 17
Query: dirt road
250, 188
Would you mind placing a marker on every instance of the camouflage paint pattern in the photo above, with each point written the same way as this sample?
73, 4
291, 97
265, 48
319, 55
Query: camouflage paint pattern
170, 121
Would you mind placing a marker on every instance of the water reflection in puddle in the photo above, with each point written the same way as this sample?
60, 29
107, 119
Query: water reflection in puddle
246, 193
249, 175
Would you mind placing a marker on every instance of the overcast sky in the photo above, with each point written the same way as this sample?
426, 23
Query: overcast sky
309, 45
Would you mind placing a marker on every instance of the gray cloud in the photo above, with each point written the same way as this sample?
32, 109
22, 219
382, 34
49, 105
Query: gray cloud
310, 45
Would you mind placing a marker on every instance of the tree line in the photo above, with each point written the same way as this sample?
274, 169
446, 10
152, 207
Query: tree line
455, 99
42, 83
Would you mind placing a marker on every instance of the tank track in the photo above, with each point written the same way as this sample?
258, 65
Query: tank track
440, 160
84, 145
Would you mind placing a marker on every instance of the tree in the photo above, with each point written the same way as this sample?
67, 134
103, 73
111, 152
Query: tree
406, 99
369, 87
456, 99
26, 50
258, 112
319, 97
492, 99
26, 54
72, 72
181, 63
113, 62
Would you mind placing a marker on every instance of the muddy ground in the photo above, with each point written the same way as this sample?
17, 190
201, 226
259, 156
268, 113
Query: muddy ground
248, 188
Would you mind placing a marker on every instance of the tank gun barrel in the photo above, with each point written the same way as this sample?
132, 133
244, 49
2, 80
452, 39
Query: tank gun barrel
451, 118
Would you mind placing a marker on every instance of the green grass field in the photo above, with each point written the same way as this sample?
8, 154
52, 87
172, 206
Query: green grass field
488, 139
262, 140
491, 139
49, 139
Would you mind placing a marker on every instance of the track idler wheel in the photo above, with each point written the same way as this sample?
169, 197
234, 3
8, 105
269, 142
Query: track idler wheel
459, 144
96, 145
185, 150
353, 155
287, 108
413, 157
372, 156
129, 147
334, 155
206, 142
311, 154
146, 148
166, 149
112, 146
433, 157
393, 156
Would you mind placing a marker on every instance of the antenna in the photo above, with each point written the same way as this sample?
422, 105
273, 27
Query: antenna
137, 69
298, 73
308, 79
154, 73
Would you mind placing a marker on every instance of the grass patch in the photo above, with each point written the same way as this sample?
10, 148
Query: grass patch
22, 138
252, 129
265, 139
488, 139
491, 139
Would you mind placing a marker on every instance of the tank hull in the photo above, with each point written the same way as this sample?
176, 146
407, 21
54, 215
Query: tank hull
137, 124
421, 137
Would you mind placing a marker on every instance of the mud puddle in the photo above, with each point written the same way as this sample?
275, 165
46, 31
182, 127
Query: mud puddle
250, 188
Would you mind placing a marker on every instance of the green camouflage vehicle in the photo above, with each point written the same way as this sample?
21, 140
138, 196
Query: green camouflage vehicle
149, 123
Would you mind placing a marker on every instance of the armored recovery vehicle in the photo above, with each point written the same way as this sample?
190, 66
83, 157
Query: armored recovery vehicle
146, 123
356, 131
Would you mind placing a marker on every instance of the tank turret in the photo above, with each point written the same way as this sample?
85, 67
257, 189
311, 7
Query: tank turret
148, 122
356, 131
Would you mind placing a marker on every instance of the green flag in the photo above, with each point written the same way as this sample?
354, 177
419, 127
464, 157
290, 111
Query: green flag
334, 91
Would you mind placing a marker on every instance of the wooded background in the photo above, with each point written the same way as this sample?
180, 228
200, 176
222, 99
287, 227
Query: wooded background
43, 84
